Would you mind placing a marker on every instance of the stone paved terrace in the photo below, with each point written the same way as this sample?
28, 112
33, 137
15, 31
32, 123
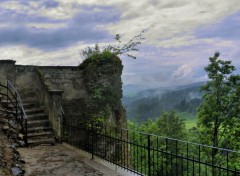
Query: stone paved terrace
64, 160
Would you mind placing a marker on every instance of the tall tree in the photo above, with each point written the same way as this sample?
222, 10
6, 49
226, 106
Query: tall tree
170, 125
218, 115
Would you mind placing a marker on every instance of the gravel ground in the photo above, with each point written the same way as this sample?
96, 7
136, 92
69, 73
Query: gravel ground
6, 154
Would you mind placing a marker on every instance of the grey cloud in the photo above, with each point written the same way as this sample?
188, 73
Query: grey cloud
11, 16
50, 4
83, 27
50, 39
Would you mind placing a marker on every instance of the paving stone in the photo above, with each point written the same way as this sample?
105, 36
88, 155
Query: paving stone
58, 160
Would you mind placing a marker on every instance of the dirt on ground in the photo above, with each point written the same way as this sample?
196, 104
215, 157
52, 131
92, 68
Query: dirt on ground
6, 154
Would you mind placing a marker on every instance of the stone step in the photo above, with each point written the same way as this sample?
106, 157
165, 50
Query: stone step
39, 116
38, 134
39, 129
5, 102
30, 111
36, 123
39, 141
25, 105
3, 120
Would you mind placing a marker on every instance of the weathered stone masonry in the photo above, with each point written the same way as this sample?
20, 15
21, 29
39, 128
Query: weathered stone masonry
56, 87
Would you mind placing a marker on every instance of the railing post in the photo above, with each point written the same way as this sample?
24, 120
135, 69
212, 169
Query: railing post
7, 101
92, 141
16, 105
149, 156
26, 131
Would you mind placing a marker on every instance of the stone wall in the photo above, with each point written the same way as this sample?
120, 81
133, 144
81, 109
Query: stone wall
67, 79
39, 83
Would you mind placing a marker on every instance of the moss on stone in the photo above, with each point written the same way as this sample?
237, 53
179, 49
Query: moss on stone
102, 77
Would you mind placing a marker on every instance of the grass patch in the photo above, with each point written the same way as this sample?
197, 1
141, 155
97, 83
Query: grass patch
190, 119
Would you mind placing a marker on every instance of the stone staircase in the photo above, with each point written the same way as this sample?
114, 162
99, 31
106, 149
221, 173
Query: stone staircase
39, 130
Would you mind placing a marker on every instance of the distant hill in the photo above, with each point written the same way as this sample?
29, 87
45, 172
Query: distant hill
130, 90
151, 103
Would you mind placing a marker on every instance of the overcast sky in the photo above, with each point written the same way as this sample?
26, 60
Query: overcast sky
180, 34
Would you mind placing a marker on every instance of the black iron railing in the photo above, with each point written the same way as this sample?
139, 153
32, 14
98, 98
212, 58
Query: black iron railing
11, 105
146, 154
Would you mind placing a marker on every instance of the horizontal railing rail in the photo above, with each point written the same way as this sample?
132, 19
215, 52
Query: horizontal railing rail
147, 154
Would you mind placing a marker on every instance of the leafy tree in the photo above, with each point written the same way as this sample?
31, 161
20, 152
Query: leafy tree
218, 115
171, 125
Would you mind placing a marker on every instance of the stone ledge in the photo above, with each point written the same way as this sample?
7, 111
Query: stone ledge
8, 61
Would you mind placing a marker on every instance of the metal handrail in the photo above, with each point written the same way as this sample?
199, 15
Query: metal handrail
150, 155
12, 93
18, 98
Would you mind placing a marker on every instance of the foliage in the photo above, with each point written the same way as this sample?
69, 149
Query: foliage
171, 125
218, 115
189, 119
112, 50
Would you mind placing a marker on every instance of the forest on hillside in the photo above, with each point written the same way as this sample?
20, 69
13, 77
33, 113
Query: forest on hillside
150, 105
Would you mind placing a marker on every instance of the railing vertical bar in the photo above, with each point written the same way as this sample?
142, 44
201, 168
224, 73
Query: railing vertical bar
227, 164
7, 100
153, 157
141, 153
157, 150
166, 156
124, 149
171, 164
127, 149
182, 164
103, 135
176, 157
187, 157
17, 106
137, 157
92, 141
206, 170
149, 156
162, 169
193, 167
213, 173
199, 159
146, 160
134, 151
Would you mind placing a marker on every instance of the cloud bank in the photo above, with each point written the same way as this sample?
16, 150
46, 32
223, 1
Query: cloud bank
180, 34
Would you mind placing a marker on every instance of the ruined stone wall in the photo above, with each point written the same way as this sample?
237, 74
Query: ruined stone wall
36, 82
68, 79
90, 91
